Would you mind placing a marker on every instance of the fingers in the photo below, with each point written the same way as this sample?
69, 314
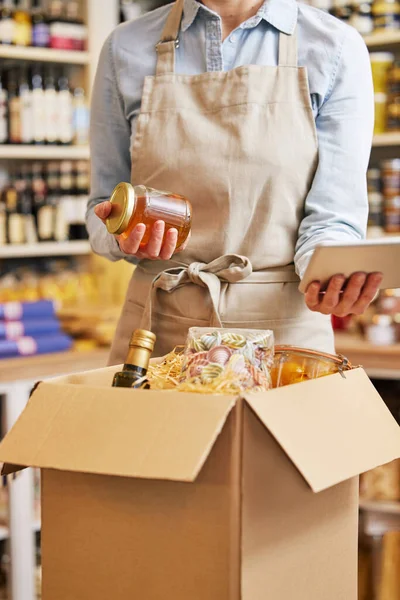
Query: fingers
169, 246
131, 245
358, 294
153, 248
351, 294
367, 294
103, 210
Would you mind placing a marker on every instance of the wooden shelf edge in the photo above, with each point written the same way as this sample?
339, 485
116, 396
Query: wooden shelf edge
73, 248
16, 152
382, 507
44, 55
378, 40
383, 140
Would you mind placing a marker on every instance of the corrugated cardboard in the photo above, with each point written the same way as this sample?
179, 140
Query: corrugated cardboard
157, 495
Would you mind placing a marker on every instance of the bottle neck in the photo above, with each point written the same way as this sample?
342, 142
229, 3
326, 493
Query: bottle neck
137, 357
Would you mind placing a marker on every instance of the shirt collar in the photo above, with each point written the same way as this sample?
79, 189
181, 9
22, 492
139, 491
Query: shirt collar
281, 14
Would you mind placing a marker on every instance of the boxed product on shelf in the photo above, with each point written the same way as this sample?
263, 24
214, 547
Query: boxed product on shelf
204, 496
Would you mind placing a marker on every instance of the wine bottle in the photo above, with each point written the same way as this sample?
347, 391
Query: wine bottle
43, 210
14, 109
51, 108
3, 111
38, 107
133, 374
7, 25
23, 185
40, 26
25, 97
65, 111
22, 24
15, 220
77, 32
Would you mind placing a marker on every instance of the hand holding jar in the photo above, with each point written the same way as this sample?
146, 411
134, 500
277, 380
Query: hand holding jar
148, 223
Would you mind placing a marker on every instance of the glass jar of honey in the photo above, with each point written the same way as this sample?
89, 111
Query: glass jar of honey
131, 205
294, 365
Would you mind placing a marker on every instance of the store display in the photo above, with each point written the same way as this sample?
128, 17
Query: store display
26, 23
227, 359
38, 107
45, 205
133, 374
133, 205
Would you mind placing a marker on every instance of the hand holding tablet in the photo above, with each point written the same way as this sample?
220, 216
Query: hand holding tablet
343, 279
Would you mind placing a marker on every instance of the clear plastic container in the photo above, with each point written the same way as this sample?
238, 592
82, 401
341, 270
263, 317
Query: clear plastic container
294, 365
245, 355
140, 204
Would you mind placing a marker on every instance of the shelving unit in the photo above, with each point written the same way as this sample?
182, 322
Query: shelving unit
44, 55
379, 517
386, 139
15, 152
73, 248
383, 40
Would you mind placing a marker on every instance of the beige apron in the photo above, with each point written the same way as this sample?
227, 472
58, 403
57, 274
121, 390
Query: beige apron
242, 146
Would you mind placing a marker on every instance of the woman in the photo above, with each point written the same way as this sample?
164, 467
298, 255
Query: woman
261, 113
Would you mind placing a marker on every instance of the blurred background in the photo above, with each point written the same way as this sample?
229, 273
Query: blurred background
48, 56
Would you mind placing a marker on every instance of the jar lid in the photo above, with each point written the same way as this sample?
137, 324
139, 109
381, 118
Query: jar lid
123, 202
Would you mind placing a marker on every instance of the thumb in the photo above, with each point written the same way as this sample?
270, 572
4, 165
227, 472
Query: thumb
103, 210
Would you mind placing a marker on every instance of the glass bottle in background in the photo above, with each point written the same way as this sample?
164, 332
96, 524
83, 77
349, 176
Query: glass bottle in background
3, 110
3, 218
23, 186
22, 23
40, 26
54, 199
25, 96
66, 208
51, 108
14, 109
77, 31
134, 371
57, 26
38, 107
65, 111
7, 25
43, 209
81, 118
82, 178
15, 220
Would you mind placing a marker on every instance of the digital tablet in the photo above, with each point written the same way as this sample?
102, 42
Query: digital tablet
368, 256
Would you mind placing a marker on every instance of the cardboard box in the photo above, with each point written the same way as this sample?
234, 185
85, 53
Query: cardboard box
161, 495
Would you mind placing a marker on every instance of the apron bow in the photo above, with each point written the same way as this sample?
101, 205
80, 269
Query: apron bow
229, 268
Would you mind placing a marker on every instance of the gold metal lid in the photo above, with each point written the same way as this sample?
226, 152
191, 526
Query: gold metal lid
123, 201
143, 339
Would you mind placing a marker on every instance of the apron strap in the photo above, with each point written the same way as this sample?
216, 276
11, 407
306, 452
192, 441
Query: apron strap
288, 49
230, 268
169, 40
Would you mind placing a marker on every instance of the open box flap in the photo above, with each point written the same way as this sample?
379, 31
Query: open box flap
114, 431
331, 428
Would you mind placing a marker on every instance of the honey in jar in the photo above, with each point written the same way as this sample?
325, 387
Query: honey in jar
132, 205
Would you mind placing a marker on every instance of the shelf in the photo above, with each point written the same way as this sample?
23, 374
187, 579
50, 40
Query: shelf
380, 362
391, 508
44, 55
386, 139
14, 152
34, 368
73, 248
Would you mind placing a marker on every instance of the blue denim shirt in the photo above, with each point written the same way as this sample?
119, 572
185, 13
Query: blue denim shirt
341, 90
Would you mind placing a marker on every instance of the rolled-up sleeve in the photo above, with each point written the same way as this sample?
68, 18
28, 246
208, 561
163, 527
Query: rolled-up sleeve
336, 208
109, 150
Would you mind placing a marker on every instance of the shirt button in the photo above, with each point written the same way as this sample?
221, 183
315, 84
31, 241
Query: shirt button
233, 39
